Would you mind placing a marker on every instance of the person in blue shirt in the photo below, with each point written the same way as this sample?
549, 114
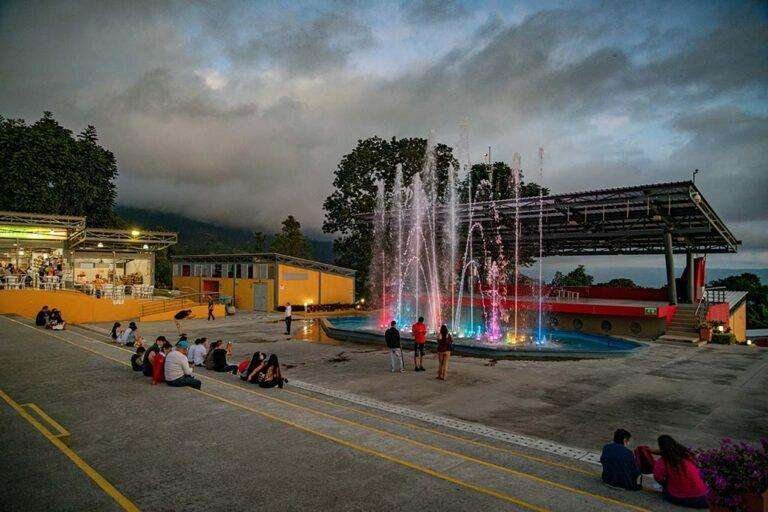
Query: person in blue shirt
619, 465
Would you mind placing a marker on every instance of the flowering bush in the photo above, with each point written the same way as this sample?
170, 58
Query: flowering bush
733, 470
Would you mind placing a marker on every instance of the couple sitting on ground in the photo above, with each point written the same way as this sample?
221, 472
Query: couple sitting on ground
50, 319
675, 470
163, 362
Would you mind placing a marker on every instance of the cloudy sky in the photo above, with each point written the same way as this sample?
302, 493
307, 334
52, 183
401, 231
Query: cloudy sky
238, 111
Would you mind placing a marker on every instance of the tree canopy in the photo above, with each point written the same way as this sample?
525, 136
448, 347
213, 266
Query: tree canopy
576, 277
757, 296
45, 169
291, 241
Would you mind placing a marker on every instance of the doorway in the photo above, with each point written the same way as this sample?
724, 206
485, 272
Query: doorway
260, 296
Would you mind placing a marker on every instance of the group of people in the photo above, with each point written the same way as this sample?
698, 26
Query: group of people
50, 319
34, 272
419, 332
174, 364
675, 469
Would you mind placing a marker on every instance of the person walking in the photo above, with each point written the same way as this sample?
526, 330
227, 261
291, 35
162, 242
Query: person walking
392, 339
419, 330
444, 347
288, 318
210, 309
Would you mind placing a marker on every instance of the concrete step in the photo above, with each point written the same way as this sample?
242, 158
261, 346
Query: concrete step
687, 340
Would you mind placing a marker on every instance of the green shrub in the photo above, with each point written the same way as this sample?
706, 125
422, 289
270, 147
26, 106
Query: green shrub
724, 338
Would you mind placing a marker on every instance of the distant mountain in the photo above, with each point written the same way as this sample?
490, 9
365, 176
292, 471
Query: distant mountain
200, 237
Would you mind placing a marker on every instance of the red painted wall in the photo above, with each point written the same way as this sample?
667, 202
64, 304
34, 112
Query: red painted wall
719, 313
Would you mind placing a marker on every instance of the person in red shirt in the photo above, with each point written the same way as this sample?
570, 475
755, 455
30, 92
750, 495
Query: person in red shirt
419, 331
678, 475
158, 365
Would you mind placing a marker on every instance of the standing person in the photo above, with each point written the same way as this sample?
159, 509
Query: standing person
444, 347
619, 464
678, 475
210, 309
419, 330
288, 318
181, 315
177, 371
392, 339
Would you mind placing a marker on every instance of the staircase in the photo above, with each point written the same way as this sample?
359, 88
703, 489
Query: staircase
683, 326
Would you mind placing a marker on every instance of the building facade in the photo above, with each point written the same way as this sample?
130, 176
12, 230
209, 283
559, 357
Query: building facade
264, 281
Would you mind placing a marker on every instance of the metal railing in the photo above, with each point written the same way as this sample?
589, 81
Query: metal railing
712, 295
176, 303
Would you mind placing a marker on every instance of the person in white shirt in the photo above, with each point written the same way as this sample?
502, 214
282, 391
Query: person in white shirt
196, 355
177, 371
288, 318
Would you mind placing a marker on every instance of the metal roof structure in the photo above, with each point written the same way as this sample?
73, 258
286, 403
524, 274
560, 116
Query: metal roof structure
124, 240
263, 257
37, 230
625, 220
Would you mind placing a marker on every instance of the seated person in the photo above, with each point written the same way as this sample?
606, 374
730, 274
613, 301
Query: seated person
152, 351
129, 336
217, 361
41, 320
55, 321
177, 371
137, 359
619, 465
196, 355
678, 475
116, 331
266, 373
158, 366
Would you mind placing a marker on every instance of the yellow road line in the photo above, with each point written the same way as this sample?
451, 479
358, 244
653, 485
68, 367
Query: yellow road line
94, 475
468, 458
63, 433
437, 474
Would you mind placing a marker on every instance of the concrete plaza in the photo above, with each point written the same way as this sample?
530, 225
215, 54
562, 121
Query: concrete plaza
232, 445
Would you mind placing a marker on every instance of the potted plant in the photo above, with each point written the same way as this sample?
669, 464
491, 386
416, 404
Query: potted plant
705, 331
737, 476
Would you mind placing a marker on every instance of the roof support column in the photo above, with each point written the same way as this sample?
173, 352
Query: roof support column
670, 261
690, 277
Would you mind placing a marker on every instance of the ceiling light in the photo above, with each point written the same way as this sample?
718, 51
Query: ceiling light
99, 245
135, 233
145, 247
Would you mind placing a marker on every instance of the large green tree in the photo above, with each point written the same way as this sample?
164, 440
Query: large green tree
757, 296
576, 277
291, 241
355, 182
44, 168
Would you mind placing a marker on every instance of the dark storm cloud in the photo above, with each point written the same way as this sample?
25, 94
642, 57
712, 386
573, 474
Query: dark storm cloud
309, 47
427, 12
239, 112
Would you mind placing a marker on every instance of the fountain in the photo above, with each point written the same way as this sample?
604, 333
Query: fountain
418, 270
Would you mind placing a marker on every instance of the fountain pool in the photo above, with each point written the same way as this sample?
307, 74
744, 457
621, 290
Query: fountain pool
559, 344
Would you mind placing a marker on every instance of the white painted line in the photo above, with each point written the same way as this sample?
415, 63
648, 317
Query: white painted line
473, 428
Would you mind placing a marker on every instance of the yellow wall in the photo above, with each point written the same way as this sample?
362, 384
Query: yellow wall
244, 289
297, 292
75, 307
738, 322
335, 288
200, 311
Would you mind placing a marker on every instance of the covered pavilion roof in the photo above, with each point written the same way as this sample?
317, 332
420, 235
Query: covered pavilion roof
624, 220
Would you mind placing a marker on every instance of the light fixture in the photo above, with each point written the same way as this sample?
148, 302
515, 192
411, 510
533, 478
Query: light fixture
145, 247
135, 233
21, 252
656, 217
362, 301
721, 328
99, 245
749, 342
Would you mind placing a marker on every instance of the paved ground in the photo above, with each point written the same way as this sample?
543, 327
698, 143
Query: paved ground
234, 446
697, 395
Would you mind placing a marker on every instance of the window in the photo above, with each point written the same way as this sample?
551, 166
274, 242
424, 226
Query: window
636, 328
230, 270
295, 276
217, 270
264, 271
238, 270
176, 269
606, 326
250, 271
577, 324
185, 270
206, 270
